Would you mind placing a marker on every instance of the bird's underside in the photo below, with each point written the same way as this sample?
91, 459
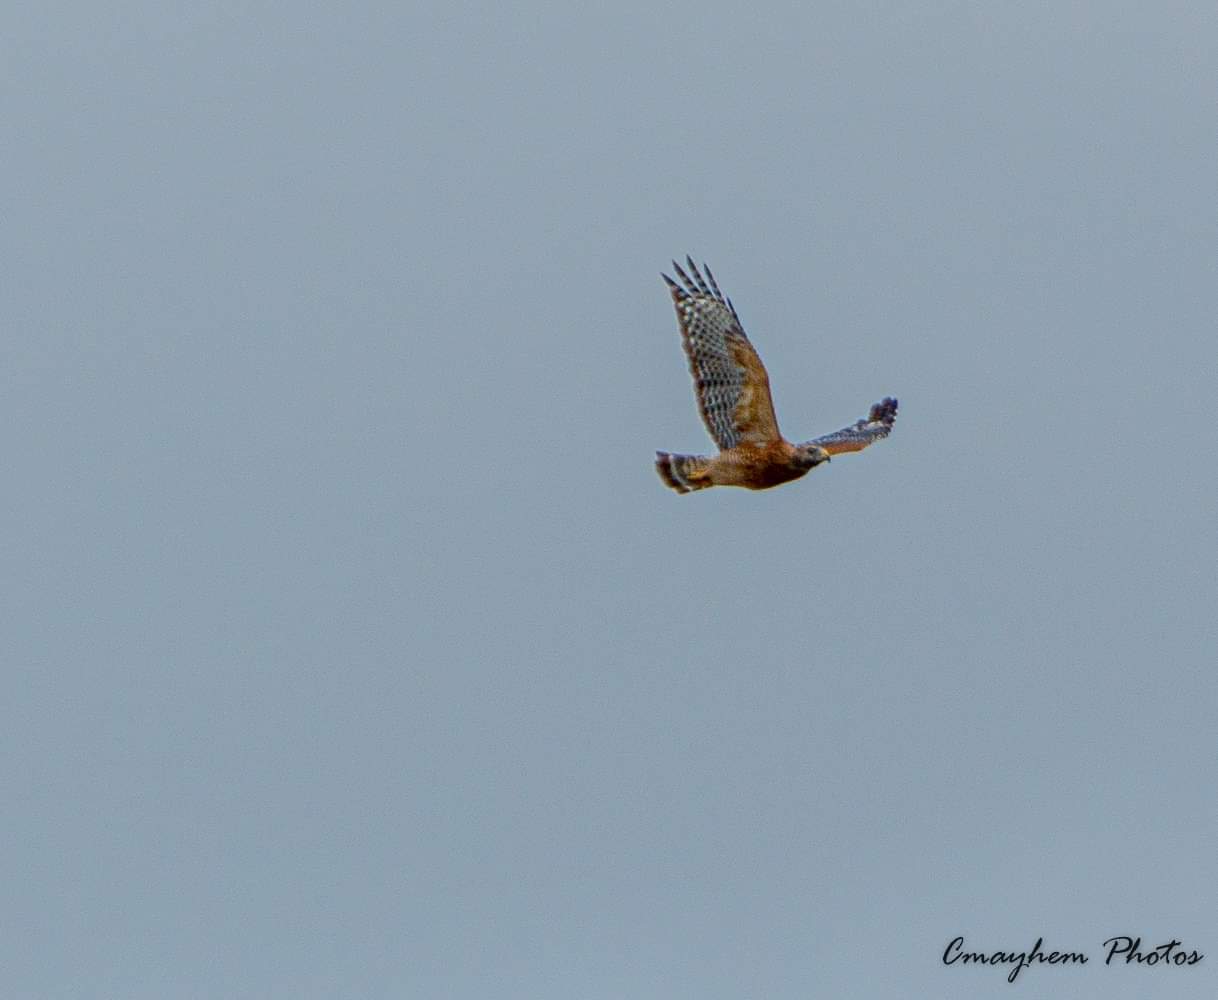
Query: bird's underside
733, 391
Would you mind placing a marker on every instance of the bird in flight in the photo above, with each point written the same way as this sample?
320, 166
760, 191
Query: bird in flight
733, 393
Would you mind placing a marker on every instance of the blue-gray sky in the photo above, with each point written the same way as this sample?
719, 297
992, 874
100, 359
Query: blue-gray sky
354, 647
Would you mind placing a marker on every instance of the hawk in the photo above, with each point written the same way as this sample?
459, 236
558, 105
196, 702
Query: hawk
733, 393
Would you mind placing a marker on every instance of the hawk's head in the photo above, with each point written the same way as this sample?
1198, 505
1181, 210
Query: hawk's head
809, 456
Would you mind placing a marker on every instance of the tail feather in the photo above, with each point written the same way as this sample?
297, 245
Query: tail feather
683, 473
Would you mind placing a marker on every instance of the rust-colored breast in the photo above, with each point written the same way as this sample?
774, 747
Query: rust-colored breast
756, 467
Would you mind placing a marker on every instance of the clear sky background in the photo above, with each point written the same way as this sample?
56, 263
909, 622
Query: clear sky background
352, 645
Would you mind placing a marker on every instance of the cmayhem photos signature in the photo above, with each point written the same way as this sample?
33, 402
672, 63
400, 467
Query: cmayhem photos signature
1118, 950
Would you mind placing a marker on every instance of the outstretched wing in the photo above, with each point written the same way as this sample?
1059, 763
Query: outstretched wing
858, 435
730, 381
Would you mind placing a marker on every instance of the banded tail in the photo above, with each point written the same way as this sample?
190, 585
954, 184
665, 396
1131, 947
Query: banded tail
684, 473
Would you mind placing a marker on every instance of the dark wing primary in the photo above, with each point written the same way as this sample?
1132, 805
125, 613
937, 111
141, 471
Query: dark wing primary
860, 434
730, 381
